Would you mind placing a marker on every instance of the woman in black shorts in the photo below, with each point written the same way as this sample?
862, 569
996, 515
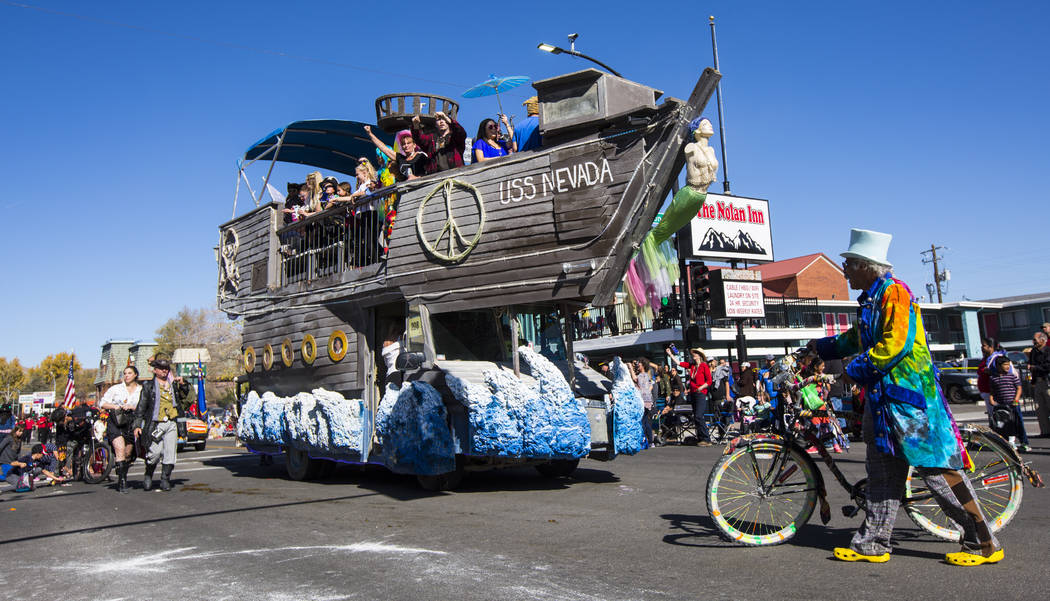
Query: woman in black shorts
120, 400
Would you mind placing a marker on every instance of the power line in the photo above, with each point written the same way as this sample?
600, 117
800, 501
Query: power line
225, 44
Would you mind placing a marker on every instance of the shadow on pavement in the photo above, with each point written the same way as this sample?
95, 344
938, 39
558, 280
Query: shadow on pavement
700, 531
405, 488
178, 517
36, 496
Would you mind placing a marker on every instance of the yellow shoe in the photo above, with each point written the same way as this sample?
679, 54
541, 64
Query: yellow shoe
845, 554
965, 558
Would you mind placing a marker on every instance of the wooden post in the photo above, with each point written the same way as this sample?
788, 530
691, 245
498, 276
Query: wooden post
570, 355
515, 361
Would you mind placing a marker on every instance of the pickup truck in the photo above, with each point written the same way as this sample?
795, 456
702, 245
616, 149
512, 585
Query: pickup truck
959, 380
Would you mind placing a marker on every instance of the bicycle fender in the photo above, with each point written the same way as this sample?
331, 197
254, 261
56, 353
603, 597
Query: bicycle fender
1019, 464
822, 492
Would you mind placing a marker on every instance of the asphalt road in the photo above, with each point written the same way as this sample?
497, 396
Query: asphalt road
635, 528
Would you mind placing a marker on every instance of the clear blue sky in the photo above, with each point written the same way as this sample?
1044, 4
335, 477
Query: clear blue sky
122, 122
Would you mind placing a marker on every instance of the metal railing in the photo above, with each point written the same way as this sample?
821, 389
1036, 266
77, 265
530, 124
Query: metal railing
617, 319
341, 238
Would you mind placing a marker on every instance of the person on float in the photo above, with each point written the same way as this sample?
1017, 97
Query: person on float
407, 162
162, 400
527, 132
120, 401
487, 143
907, 422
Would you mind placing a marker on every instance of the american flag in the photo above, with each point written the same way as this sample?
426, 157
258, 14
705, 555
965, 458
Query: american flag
71, 389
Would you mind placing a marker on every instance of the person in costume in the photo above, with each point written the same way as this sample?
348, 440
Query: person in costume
407, 161
162, 400
120, 401
907, 421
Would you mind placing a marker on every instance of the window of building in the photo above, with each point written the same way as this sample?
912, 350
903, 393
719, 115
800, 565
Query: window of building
954, 322
931, 321
1013, 319
843, 322
812, 320
1046, 314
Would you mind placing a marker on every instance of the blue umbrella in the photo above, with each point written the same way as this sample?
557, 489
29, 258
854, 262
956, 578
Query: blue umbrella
495, 85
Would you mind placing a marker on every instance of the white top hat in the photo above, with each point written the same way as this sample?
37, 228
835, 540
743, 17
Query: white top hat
868, 245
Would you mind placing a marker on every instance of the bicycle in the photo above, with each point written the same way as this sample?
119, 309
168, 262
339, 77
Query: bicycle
93, 457
765, 487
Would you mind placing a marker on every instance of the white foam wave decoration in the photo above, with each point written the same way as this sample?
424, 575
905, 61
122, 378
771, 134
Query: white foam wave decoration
628, 437
509, 418
321, 421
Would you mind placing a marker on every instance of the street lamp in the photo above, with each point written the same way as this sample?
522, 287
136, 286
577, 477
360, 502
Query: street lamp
572, 50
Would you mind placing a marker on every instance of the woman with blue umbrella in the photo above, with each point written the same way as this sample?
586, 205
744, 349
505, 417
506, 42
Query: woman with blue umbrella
488, 144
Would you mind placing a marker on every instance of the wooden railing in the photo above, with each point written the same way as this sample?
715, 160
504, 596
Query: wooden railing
395, 111
341, 238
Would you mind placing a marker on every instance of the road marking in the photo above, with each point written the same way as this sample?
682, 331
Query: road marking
196, 457
159, 562
179, 471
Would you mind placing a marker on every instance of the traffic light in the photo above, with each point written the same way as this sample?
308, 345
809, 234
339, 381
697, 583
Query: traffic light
701, 278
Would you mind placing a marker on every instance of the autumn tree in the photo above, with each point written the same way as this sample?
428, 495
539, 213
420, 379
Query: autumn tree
52, 373
13, 378
85, 381
208, 328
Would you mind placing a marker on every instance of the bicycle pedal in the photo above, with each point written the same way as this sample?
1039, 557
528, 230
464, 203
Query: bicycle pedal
850, 510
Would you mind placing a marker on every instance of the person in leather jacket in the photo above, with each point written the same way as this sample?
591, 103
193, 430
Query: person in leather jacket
162, 400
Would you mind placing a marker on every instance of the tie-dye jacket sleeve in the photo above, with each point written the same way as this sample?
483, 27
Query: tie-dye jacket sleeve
895, 318
894, 315
843, 345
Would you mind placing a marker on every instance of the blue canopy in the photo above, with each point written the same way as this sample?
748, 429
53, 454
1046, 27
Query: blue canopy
323, 143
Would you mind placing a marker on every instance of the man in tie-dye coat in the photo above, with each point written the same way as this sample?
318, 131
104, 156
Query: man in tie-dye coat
906, 419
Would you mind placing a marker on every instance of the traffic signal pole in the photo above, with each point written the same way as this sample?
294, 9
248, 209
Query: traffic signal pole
741, 340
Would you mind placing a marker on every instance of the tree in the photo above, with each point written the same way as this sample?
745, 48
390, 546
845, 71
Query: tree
85, 381
206, 328
13, 378
52, 374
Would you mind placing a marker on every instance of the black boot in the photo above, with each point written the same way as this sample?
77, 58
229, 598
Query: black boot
165, 476
122, 476
147, 480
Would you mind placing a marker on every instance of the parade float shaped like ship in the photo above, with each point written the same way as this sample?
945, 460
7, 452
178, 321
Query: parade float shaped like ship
475, 270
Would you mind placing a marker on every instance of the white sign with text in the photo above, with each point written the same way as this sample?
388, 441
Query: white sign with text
732, 228
744, 299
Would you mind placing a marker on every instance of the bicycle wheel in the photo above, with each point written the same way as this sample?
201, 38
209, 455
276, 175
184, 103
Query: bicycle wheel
752, 505
98, 461
998, 484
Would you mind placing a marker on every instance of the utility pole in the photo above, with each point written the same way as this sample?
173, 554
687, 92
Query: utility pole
938, 276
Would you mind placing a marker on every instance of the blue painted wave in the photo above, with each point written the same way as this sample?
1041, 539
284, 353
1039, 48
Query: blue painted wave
628, 437
509, 418
321, 422
412, 427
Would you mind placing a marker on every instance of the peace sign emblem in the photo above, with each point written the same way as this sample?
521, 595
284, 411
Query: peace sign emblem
456, 240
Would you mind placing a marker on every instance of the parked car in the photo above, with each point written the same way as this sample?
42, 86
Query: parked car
959, 380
